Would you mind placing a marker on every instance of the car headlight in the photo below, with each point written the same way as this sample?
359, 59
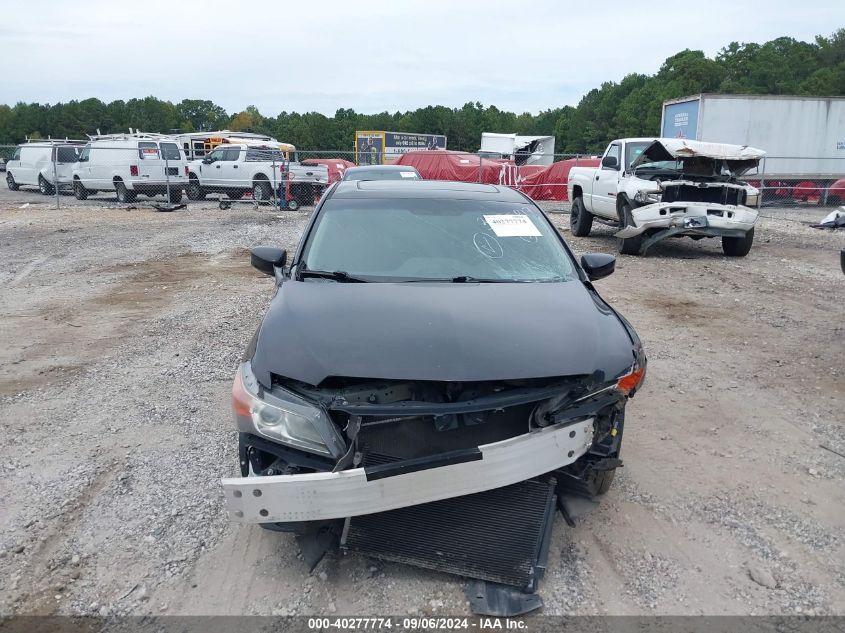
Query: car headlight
752, 197
283, 416
648, 197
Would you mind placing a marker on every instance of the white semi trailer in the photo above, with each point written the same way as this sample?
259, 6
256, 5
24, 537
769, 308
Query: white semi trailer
804, 137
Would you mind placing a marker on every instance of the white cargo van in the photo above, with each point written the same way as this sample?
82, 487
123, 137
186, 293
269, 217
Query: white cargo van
32, 165
131, 164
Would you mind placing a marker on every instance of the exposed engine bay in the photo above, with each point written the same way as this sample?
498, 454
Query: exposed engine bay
390, 421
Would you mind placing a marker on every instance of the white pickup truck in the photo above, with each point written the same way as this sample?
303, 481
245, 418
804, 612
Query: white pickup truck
653, 189
234, 169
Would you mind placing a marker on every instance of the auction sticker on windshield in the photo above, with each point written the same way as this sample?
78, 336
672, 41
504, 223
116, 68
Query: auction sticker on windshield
512, 225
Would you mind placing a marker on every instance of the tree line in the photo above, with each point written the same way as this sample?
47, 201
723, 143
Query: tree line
630, 107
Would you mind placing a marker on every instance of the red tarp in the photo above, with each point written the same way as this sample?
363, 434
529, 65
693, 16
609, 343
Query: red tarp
550, 182
537, 181
336, 166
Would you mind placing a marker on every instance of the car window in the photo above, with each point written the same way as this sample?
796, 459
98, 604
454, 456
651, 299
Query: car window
616, 151
381, 174
147, 150
171, 151
84, 154
67, 154
265, 154
17, 154
215, 155
231, 154
414, 239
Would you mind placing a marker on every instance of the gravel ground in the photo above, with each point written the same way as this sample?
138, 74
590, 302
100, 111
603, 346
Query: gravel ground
122, 328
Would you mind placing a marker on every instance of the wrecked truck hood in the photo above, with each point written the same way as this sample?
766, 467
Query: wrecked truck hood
440, 332
739, 158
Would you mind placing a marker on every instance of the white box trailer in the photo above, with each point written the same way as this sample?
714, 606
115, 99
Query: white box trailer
804, 137
524, 150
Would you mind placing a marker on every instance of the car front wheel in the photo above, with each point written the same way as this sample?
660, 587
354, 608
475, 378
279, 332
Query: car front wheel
45, 187
79, 190
738, 246
628, 245
195, 191
10, 181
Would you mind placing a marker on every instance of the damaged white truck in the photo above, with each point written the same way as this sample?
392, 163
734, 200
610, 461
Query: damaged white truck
653, 189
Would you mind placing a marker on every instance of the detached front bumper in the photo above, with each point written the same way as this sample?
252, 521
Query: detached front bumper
691, 218
334, 495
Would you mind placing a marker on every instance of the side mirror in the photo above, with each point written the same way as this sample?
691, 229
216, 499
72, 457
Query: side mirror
598, 265
610, 162
268, 258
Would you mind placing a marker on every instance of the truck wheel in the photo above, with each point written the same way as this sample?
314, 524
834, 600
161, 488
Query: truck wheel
175, 196
738, 246
123, 194
195, 191
45, 187
630, 245
10, 181
79, 191
580, 220
261, 191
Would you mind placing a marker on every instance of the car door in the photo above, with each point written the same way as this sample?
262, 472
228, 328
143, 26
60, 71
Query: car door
151, 167
231, 169
82, 169
606, 183
25, 171
210, 169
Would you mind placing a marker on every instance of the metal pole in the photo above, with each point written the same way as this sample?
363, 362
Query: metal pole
56, 173
166, 174
762, 184
275, 200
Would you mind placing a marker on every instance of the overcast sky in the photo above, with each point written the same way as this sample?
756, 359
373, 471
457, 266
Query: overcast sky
303, 55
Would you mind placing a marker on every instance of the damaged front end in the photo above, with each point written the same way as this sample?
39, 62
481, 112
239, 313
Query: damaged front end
352, 447
686, 188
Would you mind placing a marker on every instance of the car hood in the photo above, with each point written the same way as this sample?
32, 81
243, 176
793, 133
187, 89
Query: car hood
436, 331
738, 158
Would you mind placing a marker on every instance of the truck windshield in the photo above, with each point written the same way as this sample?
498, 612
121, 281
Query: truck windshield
394, 240
633, 150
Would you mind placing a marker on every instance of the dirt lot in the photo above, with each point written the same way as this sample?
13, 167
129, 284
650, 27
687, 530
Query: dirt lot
121, 330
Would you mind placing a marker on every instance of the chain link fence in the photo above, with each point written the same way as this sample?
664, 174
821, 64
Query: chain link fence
123, 167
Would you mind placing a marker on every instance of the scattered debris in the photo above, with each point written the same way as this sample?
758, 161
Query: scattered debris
762, 576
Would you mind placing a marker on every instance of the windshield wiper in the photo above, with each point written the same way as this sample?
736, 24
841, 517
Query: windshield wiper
468, 279
336, 275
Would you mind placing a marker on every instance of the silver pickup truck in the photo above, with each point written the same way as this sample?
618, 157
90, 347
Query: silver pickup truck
235, 169
653, 189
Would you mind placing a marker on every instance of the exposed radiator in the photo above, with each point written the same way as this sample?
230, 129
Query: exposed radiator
499, 535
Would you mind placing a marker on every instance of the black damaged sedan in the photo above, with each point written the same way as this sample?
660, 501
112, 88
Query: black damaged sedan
429, 343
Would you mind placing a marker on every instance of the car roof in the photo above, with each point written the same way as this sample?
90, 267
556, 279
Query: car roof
432, 189
382, 168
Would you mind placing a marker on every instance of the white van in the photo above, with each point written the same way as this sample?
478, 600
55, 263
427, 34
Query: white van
131, 164
32, 165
